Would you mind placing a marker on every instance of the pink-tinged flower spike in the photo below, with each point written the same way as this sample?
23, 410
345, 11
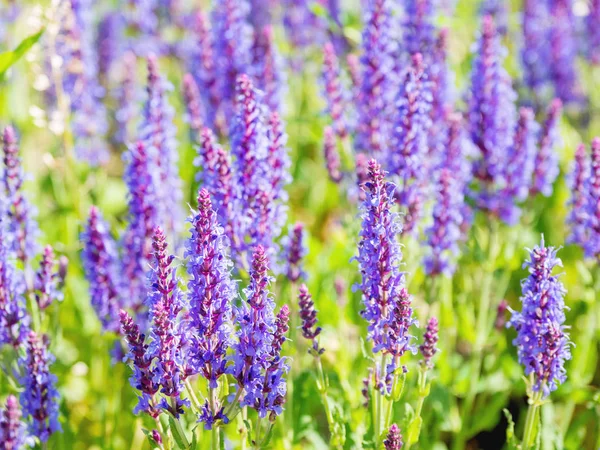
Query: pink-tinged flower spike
216, 176
332, 157
47, 281
14, 320
445, 232
428, 348
376, 101
419, 32
13, 434
100, 263
232, 36
167, 335
407, 158
144, 371
21, 223
542, 340
204, 69
267, 69
386, 301
579, 182
535, 52
158, 132
193, 106
393, 440
127, 95
296, 251
211, 293
492, 113
143, 217
546, 168
308, 315
354, 72
39, 399
278, 171
334, 92
592, 246
593, 34
563, 51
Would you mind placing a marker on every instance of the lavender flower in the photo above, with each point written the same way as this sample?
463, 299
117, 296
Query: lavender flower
109, 44
14, 321
498, 10
592, 33
419, 34
408, 158
13, 435
302, 26
295, 253
386, 301
268, 69
579, 214
491, 105
546, 168
441, 85
336, 103
233, 41
211, 292
167, 338
500, 321
47, 281
445, 231
144, 373
308, 315
377, 94
256, 360
127, 97
193, 106
542, 341
393, 440
563, 51
158, 135
428, 348
39, 398
332, 157
100, 263
592, 245
535, 53
21, 222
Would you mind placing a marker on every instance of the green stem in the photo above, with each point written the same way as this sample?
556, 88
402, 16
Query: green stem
415, 428
322, 388
529, 434
190, 390
379, 398
257, 433
214, 429
178, 426
243, 428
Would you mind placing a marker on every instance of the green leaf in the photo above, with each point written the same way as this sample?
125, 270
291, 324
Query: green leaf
194, 444
414, 430
179, 440
511, 439
7, 59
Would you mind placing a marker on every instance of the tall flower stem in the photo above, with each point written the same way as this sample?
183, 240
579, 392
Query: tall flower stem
379, 400
415, 427
482, 327
322, 388
214, 429
531, 420
194, 399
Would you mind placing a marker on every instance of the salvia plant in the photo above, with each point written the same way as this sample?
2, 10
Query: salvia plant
299, 224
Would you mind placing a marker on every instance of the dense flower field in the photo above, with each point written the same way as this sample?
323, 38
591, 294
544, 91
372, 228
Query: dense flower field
299, 224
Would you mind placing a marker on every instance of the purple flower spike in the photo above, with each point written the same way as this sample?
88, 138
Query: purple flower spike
377, 93
332, 157
268, 69
39, 398
233, 41
211, 292
535, 53
14, 320
193, 105
336, 104
158, 132
593, 34
429, 348
393, 440
47, 281
100, 262
386, 301
592, 245
127, 95
419, 34
492, 114
563, 51
295, 253
542, 341
167, 339
408, 158
546, 168
579, 214
445, 232
144, 372
13, 434
308, 315
20, 215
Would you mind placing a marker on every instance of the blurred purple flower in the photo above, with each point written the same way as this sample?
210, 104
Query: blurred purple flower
535, 52
579, 214
13, 434
429, 348
295, 250
563, 51
593, 33
47, 280
546, 167
393, 440
334, 91
193, 106
267, 69
419, 30
127, 96
308, 316
592, 244
332, 157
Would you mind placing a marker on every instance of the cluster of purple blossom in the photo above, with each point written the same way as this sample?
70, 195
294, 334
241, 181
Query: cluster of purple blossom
494, 160
37, 415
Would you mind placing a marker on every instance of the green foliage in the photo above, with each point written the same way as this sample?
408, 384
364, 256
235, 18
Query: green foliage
7, 59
